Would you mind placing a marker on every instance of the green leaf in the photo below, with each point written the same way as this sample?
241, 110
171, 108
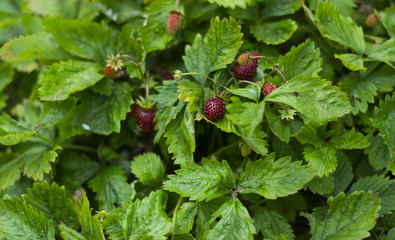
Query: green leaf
361, 93
211, 180
217, 49
233, 3
275, 8
10, 171
24, 50
68, 233
351, 61
318, 100
323, 185
120, 11
180, 137
301, 60
322, 160
233, 216
190, 92
6, 74
346, 217
52, 200
64, 78
338, 28
384, 120
382, 78
271, 224
103, 114
343, 174
384, 187
148, 168
82, 38
11, 132
19, 220
345, 7
274, 33
272, 179
76, 167
388, 20
246, 116
68, 9
379, 154
283, 129
111, 188
54, 112
90, 225
349, 140
385, 52
154, 34
143, 219
39, 161
251, 92
185, 217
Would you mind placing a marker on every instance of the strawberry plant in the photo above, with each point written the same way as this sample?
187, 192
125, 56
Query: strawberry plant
203, 119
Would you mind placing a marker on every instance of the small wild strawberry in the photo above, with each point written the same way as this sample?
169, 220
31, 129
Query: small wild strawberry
268, 88
247, 71
145, 117
173, 22
114, 65
214, 108
371, 20
110, 72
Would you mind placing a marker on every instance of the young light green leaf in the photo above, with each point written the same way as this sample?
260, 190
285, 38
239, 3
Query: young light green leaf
54, 111
24, 50
385, 52
301, 60
64, 78
83, 38
19, 220
190, 92
210, 180
388, 20
379, 154
338, 28
318, 100
349, 140
384, 120
103, 114
271, 224
282, 128
274, 33
180, 137
275, 8
143, 219
148, 168
52, 200
272, 179
154, 34
233, 216
111, 188
11, 133
233, 3
68, 9
346, 217
217, 49
246, 116
351, 61
384, 187
185, 217
322, 160
251, 92
91, 228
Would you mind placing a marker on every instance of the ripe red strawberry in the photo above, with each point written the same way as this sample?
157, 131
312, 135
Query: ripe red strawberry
247, 71
145, 117
269, 87
214, 108
110, 72
173, 22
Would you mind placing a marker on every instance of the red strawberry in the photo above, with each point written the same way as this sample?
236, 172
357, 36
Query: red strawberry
173, 22
214, 108
110, 72
371, 20
145, 117
269, 87
247, 71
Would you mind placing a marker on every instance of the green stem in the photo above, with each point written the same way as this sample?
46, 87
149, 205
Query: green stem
44, 139
184, 74
224, 149
135, 61
175, 217
77, 147
249, 82
282, 75
265, 58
